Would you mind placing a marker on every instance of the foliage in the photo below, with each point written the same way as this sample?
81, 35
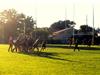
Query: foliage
86, 28
25, 23
13, 23
29, 24
61, 25
42, 33
98, 30
8, 19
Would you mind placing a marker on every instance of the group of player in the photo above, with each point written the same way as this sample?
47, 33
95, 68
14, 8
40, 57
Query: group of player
26, 43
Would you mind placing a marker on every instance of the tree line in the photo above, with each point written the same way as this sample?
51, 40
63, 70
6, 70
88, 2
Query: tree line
14, 23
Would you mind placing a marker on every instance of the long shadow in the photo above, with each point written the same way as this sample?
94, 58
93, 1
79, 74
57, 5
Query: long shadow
50, 56
72, 47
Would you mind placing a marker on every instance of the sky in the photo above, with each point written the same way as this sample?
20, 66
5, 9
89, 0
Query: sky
46, 12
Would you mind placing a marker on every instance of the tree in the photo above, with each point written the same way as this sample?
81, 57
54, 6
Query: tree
20, 23
25, 23
86, 29
29, 24
8, 19
88, 33
13, 23
43, 33
61, 25
98, 30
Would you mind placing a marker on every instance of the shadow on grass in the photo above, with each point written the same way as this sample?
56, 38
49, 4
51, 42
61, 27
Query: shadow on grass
72, 47
50, 55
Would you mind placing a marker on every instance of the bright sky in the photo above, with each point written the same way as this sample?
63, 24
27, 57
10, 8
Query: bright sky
49, 11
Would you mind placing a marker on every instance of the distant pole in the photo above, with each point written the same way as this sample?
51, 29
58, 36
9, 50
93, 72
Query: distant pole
35, 17
73, 12
86, 19
65, 21
65, 16
93, 28
73, 20
35, 25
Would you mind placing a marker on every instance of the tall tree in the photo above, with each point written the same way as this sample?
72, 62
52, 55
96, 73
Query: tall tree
61, 25
29, 24
8, 18
13, 23
20, 23
85, 29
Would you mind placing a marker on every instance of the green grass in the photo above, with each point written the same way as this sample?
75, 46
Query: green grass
53, 61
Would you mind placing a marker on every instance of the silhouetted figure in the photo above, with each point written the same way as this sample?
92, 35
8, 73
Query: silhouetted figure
16, 45
20, 43
43, 46
36, 43
76, 45
70, 41
10, 44
29, 42
89, 42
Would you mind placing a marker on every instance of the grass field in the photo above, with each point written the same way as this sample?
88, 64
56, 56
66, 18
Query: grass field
56, 60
